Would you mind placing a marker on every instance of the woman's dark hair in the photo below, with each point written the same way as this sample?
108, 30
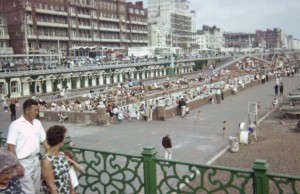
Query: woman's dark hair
56, 134
28, 103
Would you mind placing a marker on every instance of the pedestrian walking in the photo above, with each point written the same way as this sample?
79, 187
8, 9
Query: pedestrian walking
276, 89
281, 89
13, 110
167, 144
182, 106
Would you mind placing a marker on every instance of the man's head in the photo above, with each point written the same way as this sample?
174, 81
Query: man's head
30, 109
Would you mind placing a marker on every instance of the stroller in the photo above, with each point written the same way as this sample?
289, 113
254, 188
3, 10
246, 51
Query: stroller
62, 118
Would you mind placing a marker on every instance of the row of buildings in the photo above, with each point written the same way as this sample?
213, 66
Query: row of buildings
95, 27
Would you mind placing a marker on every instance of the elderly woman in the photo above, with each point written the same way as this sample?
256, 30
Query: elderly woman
9, 183
55, 167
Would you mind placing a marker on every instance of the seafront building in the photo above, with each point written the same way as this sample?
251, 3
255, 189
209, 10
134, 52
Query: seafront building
210, 38
239, 40
172, 24
4, 37
74, 27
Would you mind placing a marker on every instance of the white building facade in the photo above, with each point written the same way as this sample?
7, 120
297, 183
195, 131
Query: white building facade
210, 38
172, 24
296, 44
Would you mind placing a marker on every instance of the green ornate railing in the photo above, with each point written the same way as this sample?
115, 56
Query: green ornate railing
179, 177
283, 183
107, 172
120, 173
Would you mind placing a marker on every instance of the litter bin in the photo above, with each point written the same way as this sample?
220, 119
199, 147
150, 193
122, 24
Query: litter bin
233, 144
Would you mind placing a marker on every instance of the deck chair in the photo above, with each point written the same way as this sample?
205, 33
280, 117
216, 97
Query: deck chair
62, 118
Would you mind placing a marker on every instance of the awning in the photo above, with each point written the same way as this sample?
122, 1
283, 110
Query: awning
83, 48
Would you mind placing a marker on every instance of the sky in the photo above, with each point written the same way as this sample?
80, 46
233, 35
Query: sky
248, 15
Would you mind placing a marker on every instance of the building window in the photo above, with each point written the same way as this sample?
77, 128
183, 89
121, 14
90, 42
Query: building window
2, 90
14, 86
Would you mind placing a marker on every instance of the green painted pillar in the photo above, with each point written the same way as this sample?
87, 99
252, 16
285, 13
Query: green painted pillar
149, 170
170, 71
2, 140
260, 179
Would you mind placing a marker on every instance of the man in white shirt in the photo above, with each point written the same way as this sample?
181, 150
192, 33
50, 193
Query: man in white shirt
24, 138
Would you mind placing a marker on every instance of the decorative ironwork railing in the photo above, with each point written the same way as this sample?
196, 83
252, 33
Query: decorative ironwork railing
120, 173
107, 172
179, 177
283, 183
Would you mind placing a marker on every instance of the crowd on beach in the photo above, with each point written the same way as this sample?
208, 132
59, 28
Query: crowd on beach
126, 102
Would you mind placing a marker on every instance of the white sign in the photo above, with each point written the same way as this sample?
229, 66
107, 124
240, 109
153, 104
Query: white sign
252, 108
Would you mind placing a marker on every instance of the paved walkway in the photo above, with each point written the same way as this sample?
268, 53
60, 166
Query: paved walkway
192, 141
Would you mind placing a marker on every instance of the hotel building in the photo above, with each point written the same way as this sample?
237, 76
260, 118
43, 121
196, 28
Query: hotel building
172, 24
74, 27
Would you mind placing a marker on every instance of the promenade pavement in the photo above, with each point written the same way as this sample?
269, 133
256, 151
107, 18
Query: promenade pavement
193, 141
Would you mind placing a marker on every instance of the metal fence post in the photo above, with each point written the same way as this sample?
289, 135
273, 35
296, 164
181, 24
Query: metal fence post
260, 180
2, 140
149, 170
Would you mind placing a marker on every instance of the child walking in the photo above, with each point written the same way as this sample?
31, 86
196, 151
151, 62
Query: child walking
74, 167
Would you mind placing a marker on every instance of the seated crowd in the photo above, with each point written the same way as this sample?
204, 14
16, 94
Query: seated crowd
124, 102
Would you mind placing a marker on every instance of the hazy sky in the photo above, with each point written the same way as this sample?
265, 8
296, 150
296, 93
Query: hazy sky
248, 15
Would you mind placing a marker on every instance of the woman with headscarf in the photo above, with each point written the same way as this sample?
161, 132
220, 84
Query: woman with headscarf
9, 182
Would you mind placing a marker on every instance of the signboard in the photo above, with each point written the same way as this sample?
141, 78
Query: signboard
252, 108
